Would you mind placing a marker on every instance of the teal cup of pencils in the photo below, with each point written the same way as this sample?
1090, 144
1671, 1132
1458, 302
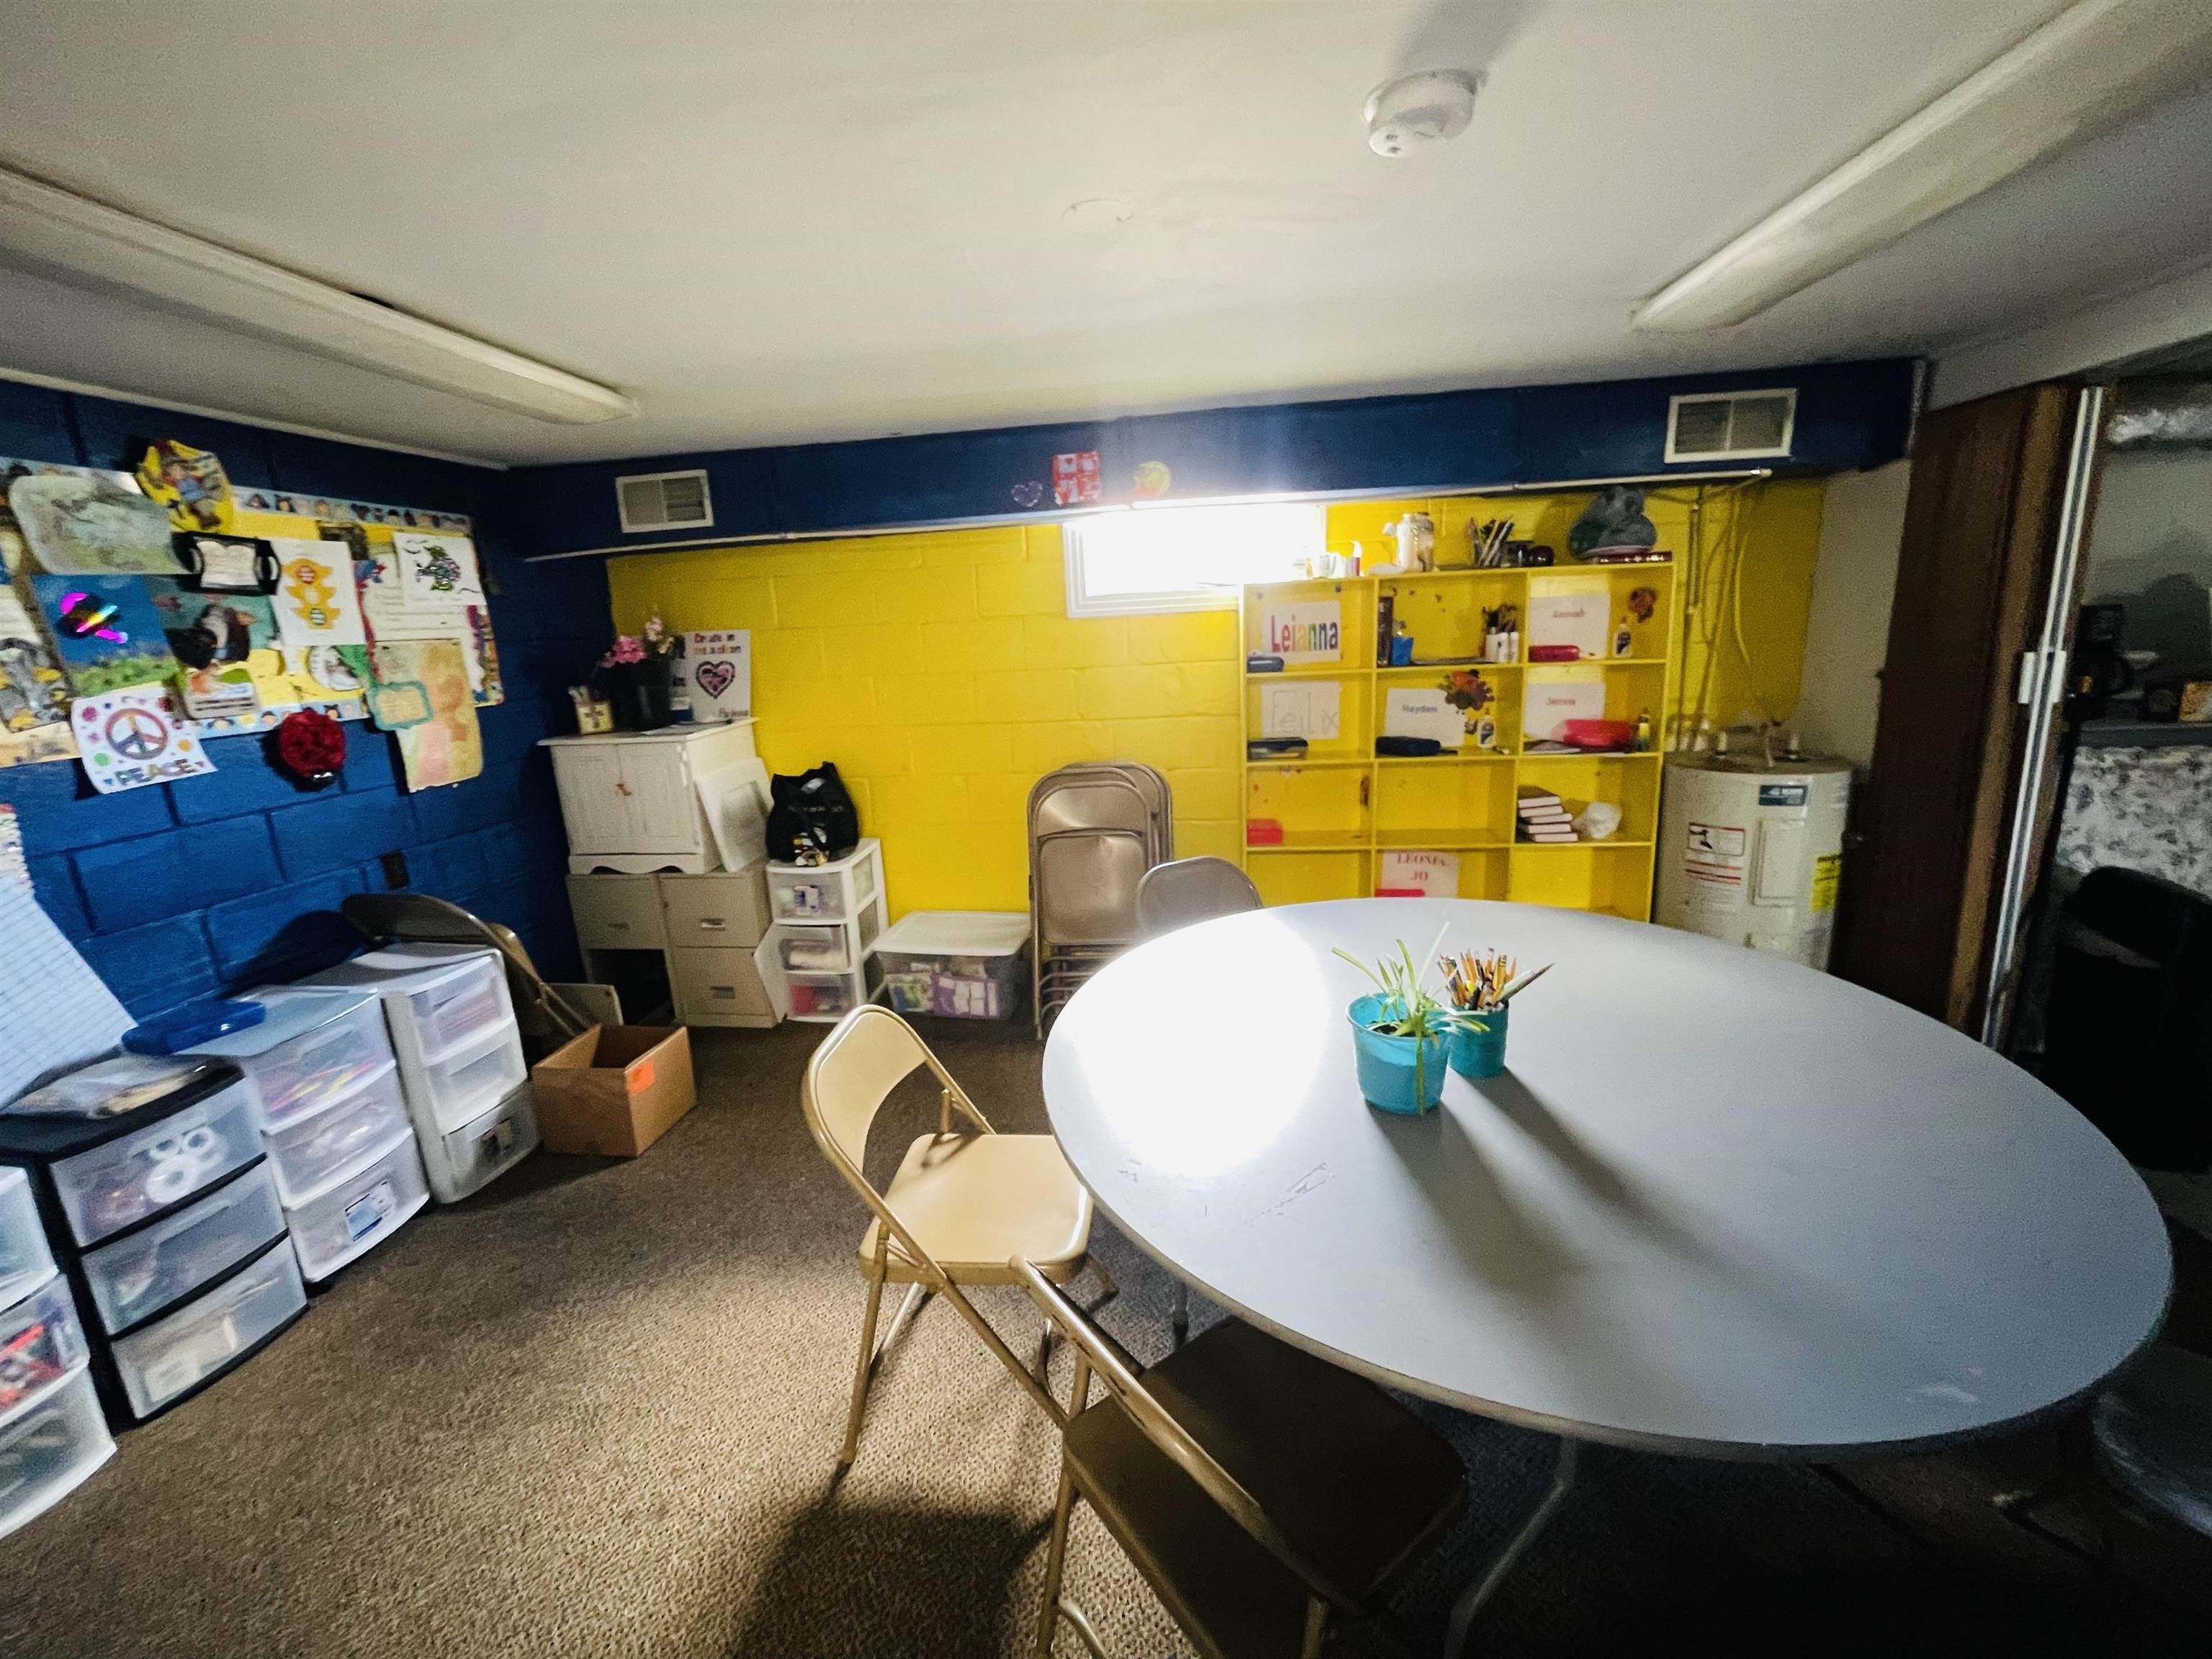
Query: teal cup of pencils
1396, 1074
1481, 1054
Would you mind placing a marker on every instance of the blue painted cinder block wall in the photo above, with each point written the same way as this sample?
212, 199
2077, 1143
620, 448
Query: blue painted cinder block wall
218, 883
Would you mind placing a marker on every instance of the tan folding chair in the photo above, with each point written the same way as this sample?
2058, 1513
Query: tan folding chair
964, 1200
1259, 1490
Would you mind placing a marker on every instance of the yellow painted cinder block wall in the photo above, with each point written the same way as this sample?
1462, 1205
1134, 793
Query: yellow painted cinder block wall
941, 672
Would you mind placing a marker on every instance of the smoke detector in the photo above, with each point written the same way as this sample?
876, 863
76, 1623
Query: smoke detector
1416, 111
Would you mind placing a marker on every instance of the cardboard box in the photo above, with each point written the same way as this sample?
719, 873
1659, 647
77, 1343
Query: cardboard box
614, 1091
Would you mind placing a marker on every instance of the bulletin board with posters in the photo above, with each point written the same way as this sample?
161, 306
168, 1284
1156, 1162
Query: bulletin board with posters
246, 603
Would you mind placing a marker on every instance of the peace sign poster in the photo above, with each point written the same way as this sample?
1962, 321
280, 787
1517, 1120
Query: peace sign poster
131, 737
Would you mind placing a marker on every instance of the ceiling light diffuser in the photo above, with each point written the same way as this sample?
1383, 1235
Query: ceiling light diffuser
2095, 66
56, 233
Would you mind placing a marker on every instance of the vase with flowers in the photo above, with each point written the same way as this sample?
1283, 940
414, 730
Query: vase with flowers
638, 675
1470, 693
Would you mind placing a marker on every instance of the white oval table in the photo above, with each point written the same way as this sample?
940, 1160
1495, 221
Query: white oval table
1717, 1205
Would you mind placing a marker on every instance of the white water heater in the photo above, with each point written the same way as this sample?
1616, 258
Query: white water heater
1751, 849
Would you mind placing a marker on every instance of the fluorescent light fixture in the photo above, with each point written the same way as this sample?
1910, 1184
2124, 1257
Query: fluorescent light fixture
2095, 65
56, 233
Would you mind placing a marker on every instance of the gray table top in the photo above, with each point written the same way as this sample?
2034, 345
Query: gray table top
1718, 1204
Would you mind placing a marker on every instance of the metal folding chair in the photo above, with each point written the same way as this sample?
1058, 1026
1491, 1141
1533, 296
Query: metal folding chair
1095, 829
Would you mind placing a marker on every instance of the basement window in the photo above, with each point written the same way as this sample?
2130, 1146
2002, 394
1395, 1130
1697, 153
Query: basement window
1152, 560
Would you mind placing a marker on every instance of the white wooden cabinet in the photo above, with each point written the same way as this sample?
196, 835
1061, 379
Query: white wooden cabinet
636, 802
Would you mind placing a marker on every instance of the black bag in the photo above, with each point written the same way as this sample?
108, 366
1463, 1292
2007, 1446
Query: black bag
811, 819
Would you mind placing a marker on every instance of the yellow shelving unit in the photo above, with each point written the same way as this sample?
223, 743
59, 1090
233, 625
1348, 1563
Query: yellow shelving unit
1341, 806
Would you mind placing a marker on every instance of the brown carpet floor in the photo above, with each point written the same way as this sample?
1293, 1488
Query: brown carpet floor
594, 1413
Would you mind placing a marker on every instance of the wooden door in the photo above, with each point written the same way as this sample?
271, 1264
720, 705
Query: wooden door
662, 803
592, 804
1937, 822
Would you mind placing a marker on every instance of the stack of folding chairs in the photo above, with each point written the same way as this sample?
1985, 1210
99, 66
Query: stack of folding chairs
1095, 829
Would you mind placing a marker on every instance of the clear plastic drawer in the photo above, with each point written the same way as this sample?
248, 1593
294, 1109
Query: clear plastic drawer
123, 1180
40, 1343
313, 1152
468, 1083
154, 1268
455, 1010
46, 1453
479, 1152
204, 1338
306, 1074
360, 1212
25, 1261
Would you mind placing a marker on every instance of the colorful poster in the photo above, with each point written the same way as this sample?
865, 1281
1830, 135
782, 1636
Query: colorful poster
33, 689
437, 574
392, 609
86, 524
422, 692
721, 674
131, 737
189, 482
105, 629
1075, 477
316, 602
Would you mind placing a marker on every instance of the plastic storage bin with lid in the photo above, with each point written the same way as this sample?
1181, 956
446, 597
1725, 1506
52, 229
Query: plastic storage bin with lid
964, 964
156, 1200
461, 1068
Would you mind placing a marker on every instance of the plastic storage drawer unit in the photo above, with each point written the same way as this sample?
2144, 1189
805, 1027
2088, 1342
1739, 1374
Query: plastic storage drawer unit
461, 1051
354, 1215
817, 997
48, 1451
25, 1261
175, 1355
965, 965
483, 1150
143, 1274
836, 891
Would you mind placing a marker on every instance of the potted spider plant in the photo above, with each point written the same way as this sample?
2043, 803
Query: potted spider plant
1402, 1035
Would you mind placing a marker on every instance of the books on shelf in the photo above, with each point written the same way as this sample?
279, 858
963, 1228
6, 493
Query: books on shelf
1542, 816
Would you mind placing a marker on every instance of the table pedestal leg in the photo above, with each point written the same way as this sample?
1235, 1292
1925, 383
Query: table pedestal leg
1471, 1600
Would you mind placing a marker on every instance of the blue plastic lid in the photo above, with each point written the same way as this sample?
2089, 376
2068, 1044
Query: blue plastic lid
196, 1022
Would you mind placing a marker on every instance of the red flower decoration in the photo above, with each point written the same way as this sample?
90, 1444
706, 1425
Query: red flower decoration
310, 745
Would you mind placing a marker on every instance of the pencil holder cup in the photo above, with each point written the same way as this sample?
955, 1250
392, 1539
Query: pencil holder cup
1481, 1054
1396, 1074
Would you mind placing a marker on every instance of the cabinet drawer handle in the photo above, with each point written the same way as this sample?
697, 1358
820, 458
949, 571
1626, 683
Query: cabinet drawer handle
713, 922
617, 927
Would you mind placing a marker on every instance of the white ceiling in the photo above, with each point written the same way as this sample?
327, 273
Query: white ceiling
780, 221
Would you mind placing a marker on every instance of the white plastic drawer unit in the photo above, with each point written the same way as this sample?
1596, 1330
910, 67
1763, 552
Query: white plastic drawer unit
24, 1259
168, 1359
311, 1049
309, 1154
47, 1452
836, 891
481, 1150
40, 1343
356, 1214
815, 996
121, 1182
143, 1274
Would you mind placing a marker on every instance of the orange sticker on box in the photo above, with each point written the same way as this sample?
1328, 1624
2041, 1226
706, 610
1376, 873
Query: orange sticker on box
641, 1077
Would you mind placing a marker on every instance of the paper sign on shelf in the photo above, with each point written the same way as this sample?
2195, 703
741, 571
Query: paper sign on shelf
1414, 711
1312, 632
1577, 619
1550, 704
1418, 875
1297, 708
130, 737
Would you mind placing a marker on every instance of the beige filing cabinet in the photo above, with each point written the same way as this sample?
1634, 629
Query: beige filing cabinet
637, 802
706, 927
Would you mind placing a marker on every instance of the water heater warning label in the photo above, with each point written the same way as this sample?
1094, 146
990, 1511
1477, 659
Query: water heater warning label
1827, 872
1713, 854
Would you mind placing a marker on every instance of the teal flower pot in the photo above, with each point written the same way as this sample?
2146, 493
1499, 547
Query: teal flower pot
1481, 1054
1396, 1074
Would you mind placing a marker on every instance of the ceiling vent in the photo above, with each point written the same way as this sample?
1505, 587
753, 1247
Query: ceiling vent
1731, 426
664, 500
